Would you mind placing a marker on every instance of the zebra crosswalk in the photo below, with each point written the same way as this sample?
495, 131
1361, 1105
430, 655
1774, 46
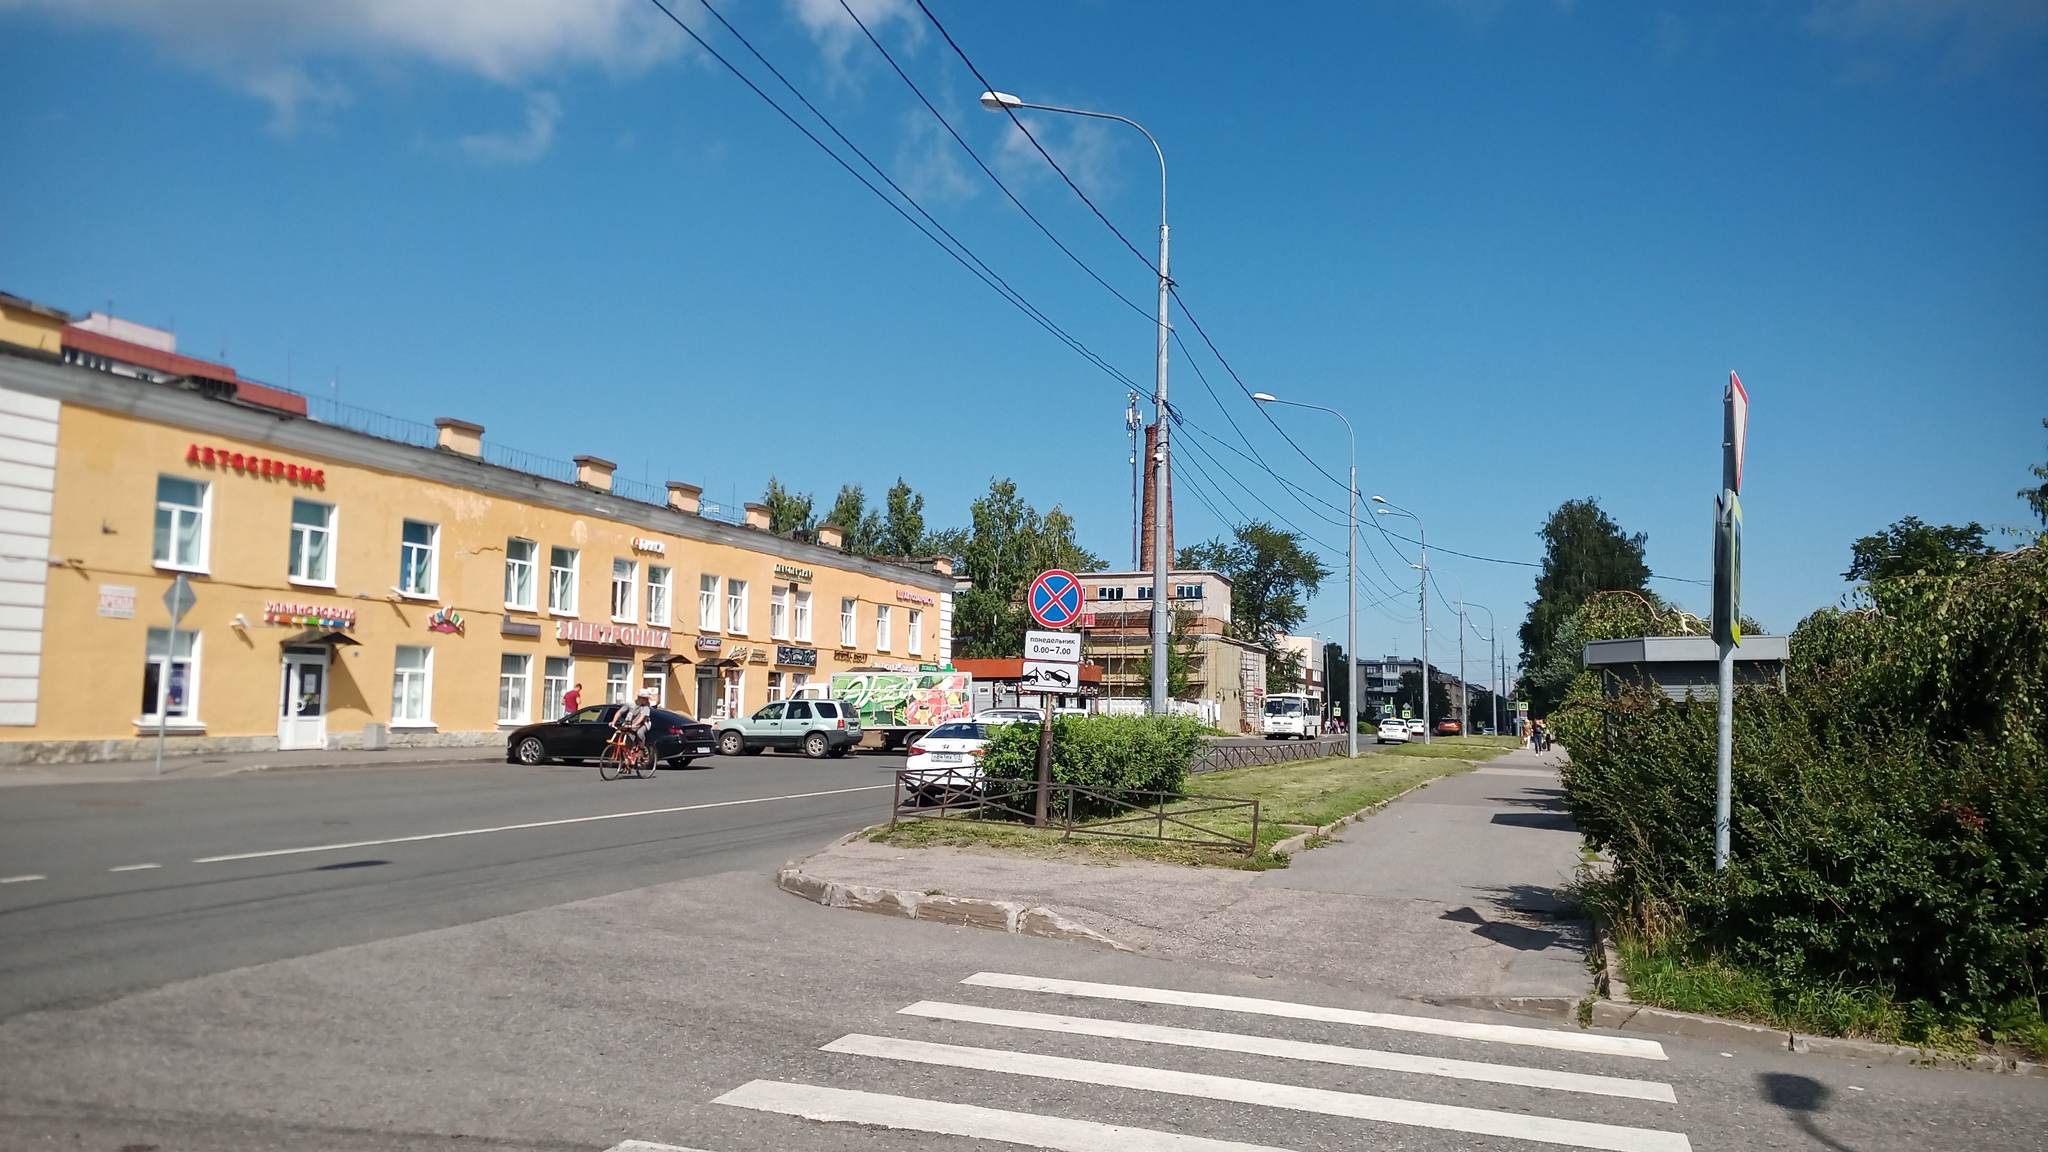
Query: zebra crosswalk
1010, 1033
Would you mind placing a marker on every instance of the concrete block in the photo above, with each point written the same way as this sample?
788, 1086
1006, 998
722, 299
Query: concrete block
885, 901
1053, 926
795, 882
1000, 915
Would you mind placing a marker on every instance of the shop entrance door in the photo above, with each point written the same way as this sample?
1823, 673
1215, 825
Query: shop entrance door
734, 679
302, 700
707, 693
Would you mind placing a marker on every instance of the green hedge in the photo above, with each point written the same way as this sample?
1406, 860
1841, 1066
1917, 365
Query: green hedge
1890, 824
1105, 753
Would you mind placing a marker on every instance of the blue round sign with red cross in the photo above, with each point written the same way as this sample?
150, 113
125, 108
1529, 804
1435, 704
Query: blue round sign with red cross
1055, 599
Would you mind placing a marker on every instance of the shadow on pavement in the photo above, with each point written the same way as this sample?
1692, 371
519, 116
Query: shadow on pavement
1803, 1096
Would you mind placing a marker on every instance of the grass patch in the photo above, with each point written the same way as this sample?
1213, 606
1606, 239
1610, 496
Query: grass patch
1710, 985
1303, 793
1475, 748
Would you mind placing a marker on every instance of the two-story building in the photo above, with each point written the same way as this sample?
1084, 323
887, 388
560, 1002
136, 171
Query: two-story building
1223, 670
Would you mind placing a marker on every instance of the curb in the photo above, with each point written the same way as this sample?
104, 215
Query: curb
1561, 1007
1293, 844
1628, 1017
1002, 915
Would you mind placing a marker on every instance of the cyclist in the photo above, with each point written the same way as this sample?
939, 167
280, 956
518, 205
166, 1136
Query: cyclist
634, 720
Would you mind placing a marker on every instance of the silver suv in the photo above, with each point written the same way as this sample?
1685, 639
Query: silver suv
818, 728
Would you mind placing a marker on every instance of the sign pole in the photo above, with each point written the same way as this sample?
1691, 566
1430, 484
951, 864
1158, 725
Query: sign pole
1039, 816
179, 600
1728, 605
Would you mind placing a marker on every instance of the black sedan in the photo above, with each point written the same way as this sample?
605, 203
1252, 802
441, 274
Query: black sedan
581, 736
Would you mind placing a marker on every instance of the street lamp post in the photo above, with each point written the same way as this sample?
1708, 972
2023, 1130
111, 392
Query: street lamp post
1161, 560
1351, 557
1492, 659
1423, 532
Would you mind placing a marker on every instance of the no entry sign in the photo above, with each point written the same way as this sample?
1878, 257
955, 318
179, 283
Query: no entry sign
1055, 598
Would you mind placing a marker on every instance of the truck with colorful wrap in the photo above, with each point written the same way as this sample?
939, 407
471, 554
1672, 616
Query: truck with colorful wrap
901, 706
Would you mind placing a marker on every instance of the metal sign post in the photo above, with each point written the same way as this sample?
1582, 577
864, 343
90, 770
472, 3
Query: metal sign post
1052, 660
179, 599
1728, 602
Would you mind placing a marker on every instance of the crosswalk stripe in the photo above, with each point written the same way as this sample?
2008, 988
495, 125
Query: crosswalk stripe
648, 1146
1297, 1050
840, 1105
1450, 1117
1457, 1029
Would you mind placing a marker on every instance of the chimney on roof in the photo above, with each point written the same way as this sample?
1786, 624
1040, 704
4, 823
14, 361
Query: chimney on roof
685, 497
594, 472
831, 536
943, 565
461, 436
757, 516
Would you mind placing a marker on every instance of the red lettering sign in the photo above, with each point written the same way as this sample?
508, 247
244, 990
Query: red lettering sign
259, 465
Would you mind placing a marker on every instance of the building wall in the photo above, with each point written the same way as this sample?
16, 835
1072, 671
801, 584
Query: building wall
28, 459
104, 588
31, 326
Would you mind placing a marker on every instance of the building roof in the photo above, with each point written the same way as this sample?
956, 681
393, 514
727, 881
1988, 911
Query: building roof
12, 301
129, 352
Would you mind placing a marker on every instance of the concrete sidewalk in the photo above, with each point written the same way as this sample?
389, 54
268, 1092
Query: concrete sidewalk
1451, 892
233, 763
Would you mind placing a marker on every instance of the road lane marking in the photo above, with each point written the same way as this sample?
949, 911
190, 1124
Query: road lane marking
648, 1146
1323, 1101
532, 824
1544, 773
134, 867
1298, 1050
22, 879
841, 1106
1429, 1025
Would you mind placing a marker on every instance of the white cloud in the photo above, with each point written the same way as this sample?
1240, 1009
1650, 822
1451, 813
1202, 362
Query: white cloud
837, 35
1084, 148
542, 111
928, 161
1968, 35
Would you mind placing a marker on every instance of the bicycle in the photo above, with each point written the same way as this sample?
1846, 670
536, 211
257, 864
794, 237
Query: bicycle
623, 754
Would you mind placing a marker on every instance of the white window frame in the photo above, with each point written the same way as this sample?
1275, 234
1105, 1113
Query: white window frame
1110, 592
778, 612
515, 687
661, 595
707, 602
530, 567
884, 617
301, 543
736, 606
849, 621
566, 587
553, 687
203, 514
402, 677
775, 680
618, 681
798, 681
406, 551
190, 640
625, 589
800, 615
913, 632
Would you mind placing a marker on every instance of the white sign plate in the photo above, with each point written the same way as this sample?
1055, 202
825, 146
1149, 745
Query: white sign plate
118, 601
1048, 676
1052, 647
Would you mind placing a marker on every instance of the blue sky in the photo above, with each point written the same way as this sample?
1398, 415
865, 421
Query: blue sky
1520, 243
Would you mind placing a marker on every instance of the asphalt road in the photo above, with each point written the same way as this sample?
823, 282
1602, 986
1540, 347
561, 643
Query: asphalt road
130, 894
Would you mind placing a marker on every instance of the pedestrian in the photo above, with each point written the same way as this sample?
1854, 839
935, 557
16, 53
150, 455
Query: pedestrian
571, 698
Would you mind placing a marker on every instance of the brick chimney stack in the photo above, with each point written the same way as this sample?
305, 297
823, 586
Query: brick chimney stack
1146, 535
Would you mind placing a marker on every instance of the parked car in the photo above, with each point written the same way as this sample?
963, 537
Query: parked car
817, 728
581, 735
1448, 727
1393, 730
1417, 728
948, 758
1006, 715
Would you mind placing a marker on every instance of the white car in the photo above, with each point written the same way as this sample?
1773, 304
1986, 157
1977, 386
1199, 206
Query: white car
1393, 731
1417, 728
1006, 715
947, 760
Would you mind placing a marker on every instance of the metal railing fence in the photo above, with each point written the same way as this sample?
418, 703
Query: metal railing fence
943, 793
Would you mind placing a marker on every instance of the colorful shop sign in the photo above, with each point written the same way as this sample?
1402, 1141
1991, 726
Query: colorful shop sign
445, 620
643, 544
911, 597
594, 632
311, 615
251, 464
792, 572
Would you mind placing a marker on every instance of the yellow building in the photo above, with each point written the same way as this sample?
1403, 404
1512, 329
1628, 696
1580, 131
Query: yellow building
351, 588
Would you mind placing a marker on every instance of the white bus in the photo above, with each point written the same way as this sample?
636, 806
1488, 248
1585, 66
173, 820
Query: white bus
1296, 714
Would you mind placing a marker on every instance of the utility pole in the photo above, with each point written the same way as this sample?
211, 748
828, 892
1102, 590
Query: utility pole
1464, 689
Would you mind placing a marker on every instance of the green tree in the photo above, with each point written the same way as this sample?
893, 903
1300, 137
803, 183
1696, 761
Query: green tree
1409, 696
1912, 548
1337, 680
1006, 546
903, 523
1271, 578
788, 512
862, 526
1584, 552
1286, 670
2037, 497
1180, 656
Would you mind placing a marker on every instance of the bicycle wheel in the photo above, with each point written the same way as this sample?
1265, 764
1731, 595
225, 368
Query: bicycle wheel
610, 763
645, 763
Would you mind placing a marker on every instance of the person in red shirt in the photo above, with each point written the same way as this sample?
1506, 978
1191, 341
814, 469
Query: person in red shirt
571, 698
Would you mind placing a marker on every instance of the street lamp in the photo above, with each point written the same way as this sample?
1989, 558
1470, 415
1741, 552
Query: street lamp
1351, 554
1492, 659
1161, 471
1424, 533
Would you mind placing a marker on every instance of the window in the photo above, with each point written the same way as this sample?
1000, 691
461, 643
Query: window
625, 589
312, 542
170, 679
181, 523
798, 681
519, 562
769, 712
798, 710
1187, 591
660, 584
417, 544
515, 679
562, 581
913, 641
618, 676
775, 685
707, 603
882, 614
801, 616
778, 613
412, 684
847, 624
736, 607
1144, 591
1108, 592
554, 685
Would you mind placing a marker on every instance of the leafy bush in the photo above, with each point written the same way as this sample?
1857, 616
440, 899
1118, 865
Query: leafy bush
1104, 753
1890, 823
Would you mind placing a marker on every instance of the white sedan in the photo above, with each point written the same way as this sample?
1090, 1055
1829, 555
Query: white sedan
946, 761
1393, 731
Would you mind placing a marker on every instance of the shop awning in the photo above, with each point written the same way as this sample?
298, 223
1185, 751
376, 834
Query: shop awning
315, 636
667, 658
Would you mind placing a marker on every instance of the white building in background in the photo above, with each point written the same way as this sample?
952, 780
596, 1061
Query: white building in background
1310, 649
